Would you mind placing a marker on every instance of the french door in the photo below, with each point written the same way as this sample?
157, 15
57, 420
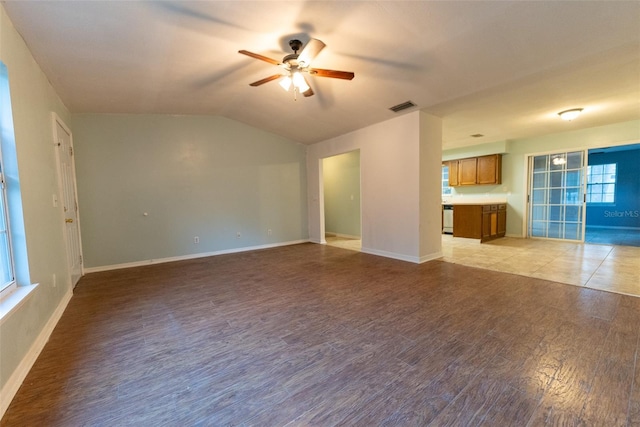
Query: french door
556, 195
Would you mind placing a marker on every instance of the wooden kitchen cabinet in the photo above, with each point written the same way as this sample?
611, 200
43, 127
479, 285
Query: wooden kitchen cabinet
502, 220
489, 170
467, 221
467, 171
453, 173
481, 170
484, 222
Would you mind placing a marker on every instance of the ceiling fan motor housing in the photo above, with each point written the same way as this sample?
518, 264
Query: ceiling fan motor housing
295, 45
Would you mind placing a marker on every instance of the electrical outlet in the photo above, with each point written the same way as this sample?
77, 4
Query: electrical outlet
238, 235
269, 232
196, 240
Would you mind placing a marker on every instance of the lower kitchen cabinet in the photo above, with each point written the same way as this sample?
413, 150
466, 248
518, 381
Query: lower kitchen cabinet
484, 222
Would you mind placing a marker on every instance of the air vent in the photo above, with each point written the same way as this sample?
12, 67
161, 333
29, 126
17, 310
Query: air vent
403, 106
477, 135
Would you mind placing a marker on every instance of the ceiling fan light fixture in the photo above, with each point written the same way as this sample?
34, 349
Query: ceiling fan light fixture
299, 82
285, 82
571, 114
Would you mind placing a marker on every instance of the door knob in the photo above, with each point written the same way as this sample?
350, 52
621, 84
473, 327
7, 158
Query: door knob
68, 220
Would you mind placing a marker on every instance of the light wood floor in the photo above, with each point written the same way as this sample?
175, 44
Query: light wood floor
599, 266
317, 335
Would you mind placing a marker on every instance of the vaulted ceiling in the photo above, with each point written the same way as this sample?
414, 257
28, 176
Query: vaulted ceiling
498, 68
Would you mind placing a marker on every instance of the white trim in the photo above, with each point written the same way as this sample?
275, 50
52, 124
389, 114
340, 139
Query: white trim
344, 236
430, 257
20, 373
393, 255
191, 256
12, 301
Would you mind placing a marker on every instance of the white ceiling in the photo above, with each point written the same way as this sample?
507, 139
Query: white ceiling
499, 68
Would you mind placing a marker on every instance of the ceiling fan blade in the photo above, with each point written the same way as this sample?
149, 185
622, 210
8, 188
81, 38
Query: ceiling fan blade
334, 74
310, 51
260, 57
266, 80
308, 92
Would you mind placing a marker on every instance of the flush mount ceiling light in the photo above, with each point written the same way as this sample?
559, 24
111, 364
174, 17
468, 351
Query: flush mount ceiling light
569, 115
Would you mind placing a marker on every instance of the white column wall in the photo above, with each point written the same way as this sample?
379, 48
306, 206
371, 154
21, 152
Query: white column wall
390, 164
430, 187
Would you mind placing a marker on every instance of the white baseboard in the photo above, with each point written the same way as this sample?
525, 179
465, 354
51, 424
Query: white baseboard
344, 236
15, 381
430, 257
191, 256
393, 255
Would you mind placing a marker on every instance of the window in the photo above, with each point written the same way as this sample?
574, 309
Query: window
7, 276
601, 183
7, 147
446, 190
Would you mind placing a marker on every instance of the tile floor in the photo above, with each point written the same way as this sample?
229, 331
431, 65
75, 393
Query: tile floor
599, 266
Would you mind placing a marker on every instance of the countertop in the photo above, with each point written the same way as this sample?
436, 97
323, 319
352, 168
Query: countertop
477, 203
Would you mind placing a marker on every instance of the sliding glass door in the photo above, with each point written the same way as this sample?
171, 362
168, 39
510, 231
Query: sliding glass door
556, 195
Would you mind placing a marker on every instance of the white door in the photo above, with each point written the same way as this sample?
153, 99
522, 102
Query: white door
67, 182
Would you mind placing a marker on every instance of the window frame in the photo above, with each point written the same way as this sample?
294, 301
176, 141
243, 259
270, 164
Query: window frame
590, 185
446, 190
7, 287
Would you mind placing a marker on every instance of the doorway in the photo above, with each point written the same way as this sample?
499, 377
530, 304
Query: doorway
341, 197
613, 196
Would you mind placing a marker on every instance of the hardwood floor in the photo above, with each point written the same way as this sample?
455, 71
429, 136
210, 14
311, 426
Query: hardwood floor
318, 335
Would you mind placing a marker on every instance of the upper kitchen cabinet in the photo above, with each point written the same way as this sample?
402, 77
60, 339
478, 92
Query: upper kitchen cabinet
453, 173
467, 171
481, 170
489, 169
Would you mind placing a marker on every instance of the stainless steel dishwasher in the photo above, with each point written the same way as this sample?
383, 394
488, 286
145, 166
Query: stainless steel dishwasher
447, 219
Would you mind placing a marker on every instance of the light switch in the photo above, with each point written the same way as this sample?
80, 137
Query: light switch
55, 201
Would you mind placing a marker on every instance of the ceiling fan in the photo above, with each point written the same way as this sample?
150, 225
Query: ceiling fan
295, 64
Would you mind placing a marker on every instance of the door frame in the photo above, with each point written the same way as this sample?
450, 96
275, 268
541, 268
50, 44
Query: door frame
55, 121
528, 160
321, 192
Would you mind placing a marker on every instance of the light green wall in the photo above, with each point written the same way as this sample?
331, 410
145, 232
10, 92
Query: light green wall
33, 101
202, 176
476, 150
341, 176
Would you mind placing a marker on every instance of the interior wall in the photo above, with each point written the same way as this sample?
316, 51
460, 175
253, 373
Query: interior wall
390, 168
149, 184
341, 176
33, 101
625, 212
430, 229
